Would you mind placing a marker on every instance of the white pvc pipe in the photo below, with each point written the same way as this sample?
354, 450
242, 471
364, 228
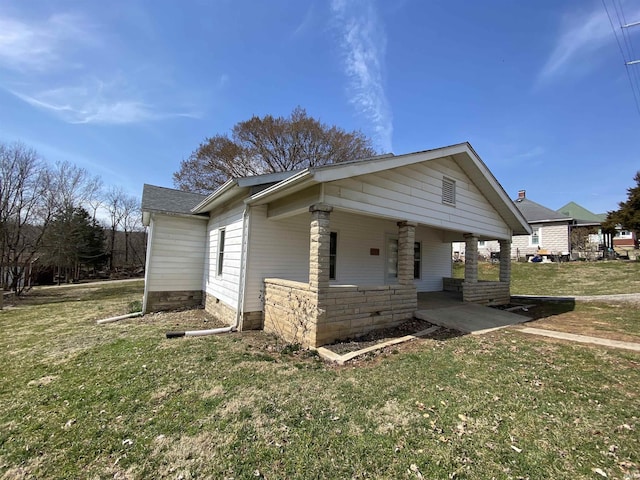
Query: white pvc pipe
200, 333
121, 317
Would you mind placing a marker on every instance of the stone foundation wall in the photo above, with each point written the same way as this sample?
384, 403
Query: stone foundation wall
486, 293
171, 300
253, 321
227, 314
299, 315
219, 309
352, 311
452, 284
290, 311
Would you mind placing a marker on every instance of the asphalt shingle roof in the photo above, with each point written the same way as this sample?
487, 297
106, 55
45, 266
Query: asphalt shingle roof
534, 212
162, 199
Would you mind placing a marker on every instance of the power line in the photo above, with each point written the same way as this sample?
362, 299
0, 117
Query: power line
629, 62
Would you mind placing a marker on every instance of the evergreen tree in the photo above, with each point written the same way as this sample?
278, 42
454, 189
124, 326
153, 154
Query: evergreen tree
72, 241
628, 215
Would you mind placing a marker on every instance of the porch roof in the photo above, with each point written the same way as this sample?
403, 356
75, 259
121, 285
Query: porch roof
462, 153
264, 189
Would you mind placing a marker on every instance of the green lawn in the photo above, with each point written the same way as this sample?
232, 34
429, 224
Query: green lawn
78, 400
573, 278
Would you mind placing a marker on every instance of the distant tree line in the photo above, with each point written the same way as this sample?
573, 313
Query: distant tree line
51, 226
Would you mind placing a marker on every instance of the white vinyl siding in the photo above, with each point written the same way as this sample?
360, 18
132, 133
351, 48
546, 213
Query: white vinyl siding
224, 286
414, 193
277, 249
280, 249
176, 257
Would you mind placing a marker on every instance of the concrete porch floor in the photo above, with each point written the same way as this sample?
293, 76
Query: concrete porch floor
448, 310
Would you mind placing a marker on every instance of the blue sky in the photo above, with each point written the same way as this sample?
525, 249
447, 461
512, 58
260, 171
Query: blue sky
127, 89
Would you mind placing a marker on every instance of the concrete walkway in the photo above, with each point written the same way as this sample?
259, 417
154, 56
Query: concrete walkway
581, 338
446, 310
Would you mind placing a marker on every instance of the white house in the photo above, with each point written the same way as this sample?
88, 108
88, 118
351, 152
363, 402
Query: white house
328, 252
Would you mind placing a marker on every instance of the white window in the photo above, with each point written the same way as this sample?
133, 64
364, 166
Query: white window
481, 243
448, 191
535, 236
221, 234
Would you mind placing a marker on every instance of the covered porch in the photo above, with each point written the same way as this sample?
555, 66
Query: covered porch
319, 311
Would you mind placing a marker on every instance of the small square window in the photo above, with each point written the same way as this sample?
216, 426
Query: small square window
448, 191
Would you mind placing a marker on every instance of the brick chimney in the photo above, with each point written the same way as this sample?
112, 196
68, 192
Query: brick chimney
522, 194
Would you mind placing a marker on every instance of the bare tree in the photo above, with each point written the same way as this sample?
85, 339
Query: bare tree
131, 221
114, 204
267, 145
24, 212
72, 186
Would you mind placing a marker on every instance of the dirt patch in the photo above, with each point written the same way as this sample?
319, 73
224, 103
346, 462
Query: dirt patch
595, 320
378, 336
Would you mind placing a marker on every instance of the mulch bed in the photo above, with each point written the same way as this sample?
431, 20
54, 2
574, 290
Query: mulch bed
378, 336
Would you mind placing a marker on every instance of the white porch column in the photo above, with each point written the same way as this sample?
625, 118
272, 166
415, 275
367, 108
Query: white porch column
505, 261
471, 258
319, 247
406, 241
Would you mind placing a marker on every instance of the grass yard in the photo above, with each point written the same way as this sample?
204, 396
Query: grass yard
78, 400
573, 278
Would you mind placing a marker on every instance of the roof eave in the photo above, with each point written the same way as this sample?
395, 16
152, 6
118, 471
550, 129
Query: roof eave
228, 190
147, 214
293, 184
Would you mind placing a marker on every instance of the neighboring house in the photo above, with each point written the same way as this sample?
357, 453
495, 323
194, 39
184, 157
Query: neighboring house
570, 230
586, 233
328, 252
625, 239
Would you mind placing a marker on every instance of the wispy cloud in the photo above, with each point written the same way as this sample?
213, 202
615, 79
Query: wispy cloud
581, 35
363, 43
38, 46
306, 22
54, 65
97, 103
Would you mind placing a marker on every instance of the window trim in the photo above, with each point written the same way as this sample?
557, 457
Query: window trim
538, 236
221, 250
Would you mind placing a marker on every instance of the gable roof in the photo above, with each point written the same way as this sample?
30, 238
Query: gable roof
536, 213
462, 153
573, 210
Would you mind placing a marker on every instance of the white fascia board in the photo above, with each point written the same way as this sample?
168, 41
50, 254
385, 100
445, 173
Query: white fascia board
152, 214
339, 171
223, 194
495, 186
293, 184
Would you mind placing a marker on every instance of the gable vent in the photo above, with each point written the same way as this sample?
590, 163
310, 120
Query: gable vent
448, 191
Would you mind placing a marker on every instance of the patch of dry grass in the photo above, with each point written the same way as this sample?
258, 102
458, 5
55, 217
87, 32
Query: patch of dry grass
128, 403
